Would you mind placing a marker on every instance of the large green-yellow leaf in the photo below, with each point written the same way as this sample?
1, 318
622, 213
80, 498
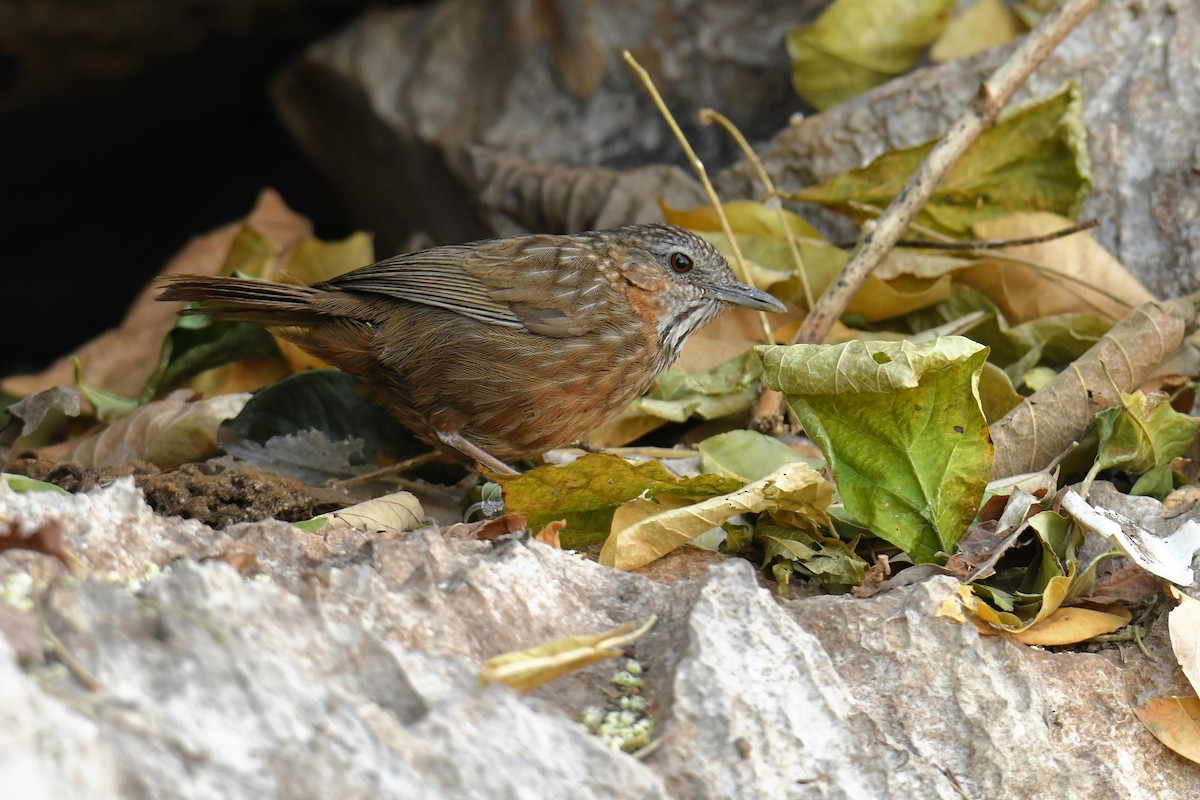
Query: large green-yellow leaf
858, 44
587, 492
902, 429
1034, 159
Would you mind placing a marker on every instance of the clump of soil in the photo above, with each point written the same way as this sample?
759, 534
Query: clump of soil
210, 493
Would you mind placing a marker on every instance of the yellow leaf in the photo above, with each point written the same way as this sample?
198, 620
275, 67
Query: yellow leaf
1072, 624
1174, 721
1068, 269
315, 261
858, 44
1184, 624
527, 669
984, 24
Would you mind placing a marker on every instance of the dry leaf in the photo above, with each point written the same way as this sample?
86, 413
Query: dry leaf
45, 539
120, 360
1130, 585
167, 433
642, 533
1074, 624
549, 534
1184, 624
1026, 293
1174, 721
1037, 431
242, 556
399, 511
1168, 557
983, 24
528, 669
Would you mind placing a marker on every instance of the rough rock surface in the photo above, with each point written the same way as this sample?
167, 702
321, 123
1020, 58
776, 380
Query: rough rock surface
346, 666
396, 108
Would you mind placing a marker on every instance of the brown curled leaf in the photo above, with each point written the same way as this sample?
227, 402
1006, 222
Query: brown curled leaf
1037, 431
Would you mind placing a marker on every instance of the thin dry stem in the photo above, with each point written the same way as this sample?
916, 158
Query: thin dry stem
702, 174
708, 116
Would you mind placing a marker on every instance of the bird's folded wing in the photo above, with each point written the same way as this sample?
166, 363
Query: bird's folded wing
528, 288
433, 278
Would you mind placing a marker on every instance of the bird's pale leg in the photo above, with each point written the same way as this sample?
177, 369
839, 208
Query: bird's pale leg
469, 448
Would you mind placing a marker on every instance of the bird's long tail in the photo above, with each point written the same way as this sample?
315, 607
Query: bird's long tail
245, 300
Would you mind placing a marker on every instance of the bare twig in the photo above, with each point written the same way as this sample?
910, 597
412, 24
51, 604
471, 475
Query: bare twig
981, 114
391, 470
980, 245
698, 166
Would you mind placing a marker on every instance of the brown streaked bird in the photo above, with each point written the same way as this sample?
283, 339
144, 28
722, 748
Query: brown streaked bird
505, 348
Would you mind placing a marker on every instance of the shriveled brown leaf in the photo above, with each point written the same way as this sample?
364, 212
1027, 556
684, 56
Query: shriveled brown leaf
1036, 432
26, 416
1130, 584
167, 432
488, 530
242, 556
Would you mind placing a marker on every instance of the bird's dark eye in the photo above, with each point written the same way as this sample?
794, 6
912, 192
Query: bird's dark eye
680, 263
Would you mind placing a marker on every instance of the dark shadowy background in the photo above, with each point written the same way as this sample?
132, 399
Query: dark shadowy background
126, 128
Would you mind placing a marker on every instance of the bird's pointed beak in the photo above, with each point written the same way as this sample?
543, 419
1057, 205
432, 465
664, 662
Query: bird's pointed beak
739, 294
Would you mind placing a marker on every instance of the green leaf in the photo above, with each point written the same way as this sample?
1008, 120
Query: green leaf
826, 559
745, 455
108, 406
1034, 159
727, 389
199, 343
21, 483
587, 492
328, 401
858, 44
1142, 436
902, 429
